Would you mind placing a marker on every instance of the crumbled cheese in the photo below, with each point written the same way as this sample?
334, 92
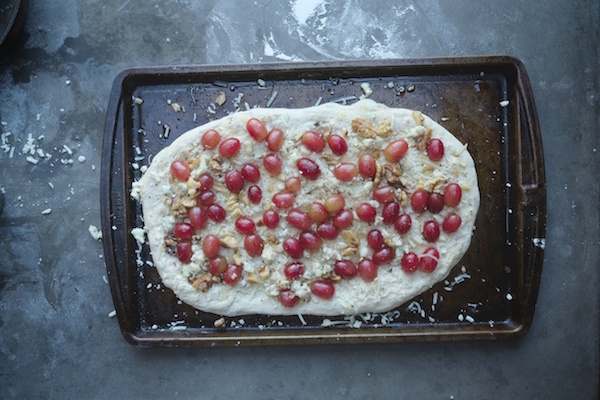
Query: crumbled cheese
539, 242
366, 89
504, 103
47, 211
67, 149
112, 314
138, 234
272, 99
81, 159
95, 232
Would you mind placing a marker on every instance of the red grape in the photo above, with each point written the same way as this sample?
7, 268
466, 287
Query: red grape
367, 270
451, 223
429, 259
431, 231
180, 170
435, 149
452, 194
210, 139
229, 147
234, 181
345, 269
409, 262
257, 129
337, 144
287, 298
323, 289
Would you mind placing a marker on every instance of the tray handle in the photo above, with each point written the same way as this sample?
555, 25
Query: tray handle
533, 203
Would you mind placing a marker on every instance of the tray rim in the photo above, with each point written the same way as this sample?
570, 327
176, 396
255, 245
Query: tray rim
533, 276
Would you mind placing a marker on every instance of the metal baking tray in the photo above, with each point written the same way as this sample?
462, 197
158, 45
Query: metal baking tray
486, 102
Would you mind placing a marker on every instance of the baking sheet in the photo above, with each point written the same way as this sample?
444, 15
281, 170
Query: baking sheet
490, 294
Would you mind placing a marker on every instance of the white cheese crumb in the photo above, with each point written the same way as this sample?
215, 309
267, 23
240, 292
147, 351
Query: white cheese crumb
32, 160
261, 82
539, 242
509, 296
302, 320
272, 99
469, 319
504, 103
81, 159
366, 88
105, 279
67, 149
47, 211
95, 232
138, 234
112, 314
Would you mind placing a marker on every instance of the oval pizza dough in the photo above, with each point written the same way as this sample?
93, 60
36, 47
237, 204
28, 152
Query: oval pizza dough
368, 127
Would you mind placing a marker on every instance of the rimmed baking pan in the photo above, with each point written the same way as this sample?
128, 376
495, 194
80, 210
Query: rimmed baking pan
486, 102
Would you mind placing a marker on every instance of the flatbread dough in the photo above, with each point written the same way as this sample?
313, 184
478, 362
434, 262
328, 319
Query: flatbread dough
256, 293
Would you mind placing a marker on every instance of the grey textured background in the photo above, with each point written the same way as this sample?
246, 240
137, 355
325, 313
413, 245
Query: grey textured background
56, 339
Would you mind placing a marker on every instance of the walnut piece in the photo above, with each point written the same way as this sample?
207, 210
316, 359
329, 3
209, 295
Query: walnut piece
384, 129
264, 272
350, 238
251, 277
418, 117
203, 282
423, 139
230, 241
363, 128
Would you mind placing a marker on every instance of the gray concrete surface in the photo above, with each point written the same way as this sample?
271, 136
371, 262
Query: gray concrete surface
56, 339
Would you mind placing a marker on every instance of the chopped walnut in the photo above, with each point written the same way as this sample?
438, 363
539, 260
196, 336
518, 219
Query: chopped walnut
219, 323
418, 117
264, 271
251, 277
402, 198
423, 139
350, 251
236, 213
350, 238
335, 278
363, 128
437, 184
194, 163
215, 163
388, 242
188, 202
203, 282
378, 173
330, 159
325, 131
271, 239
230, 241
384, 129
237, 258
393, 175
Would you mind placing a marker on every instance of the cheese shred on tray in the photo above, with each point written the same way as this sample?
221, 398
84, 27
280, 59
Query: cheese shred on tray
327, 210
